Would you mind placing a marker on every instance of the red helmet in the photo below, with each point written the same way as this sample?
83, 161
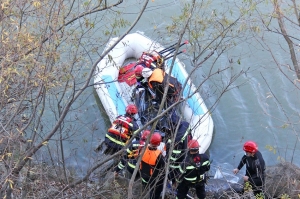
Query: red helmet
155, 139
138, 70
250, 147
145, 134
131, 109
193, 144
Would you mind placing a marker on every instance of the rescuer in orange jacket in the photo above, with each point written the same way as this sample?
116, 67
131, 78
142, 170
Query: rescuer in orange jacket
121, 130
129, 159
152, 168
157, 81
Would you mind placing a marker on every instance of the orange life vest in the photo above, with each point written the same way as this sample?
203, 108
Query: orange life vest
160, 76
120, 127
149, 158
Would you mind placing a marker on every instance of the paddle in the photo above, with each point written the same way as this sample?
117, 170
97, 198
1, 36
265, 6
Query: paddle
170, 52
172, 47
183, 51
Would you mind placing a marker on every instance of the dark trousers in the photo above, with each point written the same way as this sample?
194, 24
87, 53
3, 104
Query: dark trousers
111, 147
130, 172
155, 185
257, 185
110, 151
173, 175
184, 186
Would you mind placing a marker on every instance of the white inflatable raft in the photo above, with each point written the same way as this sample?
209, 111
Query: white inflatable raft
115, 94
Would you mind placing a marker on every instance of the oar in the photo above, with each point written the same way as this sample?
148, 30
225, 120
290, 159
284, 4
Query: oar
183, 51
172, 47
170, 52
167, 49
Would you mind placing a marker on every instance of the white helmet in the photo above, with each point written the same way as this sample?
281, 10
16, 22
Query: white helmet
146, 72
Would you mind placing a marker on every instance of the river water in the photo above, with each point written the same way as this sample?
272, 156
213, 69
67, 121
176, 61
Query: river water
264, 106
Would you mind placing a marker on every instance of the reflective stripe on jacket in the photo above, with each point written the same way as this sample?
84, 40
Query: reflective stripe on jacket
122, 127
194, 171
116, 141
130, 155
178, 153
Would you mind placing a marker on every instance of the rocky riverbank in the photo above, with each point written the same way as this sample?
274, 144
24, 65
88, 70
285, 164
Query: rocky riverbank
282, 181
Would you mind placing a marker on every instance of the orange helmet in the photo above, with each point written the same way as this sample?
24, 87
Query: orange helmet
145, 134
131, 109
138, 70
155, 139
250, 147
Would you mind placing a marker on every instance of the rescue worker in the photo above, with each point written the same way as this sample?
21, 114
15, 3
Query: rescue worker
129, 159
121, 130
180, 146
157, 82
193, 172
152, 167
141, 81
255, 167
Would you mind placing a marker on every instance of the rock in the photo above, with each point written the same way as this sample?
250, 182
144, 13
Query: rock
220, 188
283, 178
52, 191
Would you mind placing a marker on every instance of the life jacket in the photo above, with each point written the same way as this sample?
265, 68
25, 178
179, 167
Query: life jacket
136, 152
149, 161
120, 127
151, 60
160, 76
157, 76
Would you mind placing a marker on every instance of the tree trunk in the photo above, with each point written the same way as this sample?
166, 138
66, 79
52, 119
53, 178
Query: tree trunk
287, 39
